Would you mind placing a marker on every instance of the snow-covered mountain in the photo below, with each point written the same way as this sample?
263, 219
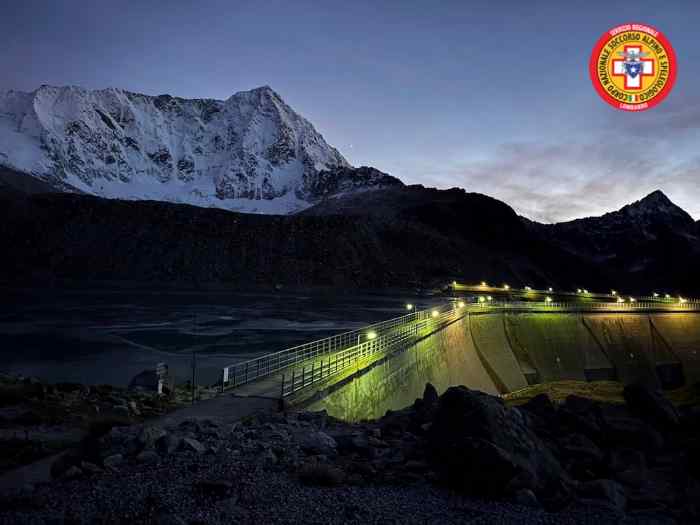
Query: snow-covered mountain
251, 152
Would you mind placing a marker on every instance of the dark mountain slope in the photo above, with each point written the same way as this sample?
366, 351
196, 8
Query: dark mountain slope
12, 181
432, 237
649, 244
400, 236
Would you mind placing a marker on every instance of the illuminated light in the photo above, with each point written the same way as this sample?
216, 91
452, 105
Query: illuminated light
483, 283
371, 335
547, 299
578, 290
489, 298
481, 299
460, 304
454, 283
682, 300
632, 300
667, 296
506, 287
613, 292
550, 289
585, 291
655, 294
409, 306
435, 313
528, 288
620, 300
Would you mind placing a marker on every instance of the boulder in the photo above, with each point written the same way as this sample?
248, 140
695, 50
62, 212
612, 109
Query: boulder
148, 436
605, 492
191, 444
579, 447
321, 474
120, 440
540, 405
64, 462
622, 459
167, 444
430, 395
317, 442
72, 473
621, 428
146, 381
526, 498
479, 445
113, 461
90, 468
351, 443
148, 457
652, 406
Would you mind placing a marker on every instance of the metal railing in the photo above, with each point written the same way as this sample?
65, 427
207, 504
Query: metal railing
254, 369
309, 363
612, 307
365, 353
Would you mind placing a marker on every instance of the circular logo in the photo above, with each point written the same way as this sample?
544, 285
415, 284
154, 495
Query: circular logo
633, 67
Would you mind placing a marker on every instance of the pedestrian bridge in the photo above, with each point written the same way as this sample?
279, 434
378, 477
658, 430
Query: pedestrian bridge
510, 343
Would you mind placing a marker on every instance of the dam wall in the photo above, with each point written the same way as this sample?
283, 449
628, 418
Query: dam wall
445, 358
503, 352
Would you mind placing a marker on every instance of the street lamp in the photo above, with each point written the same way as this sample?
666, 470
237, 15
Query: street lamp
550, 289
547, 299
483, 283
370, 336
409, 307
506, 287
460, 304
481, 299
489, 298
435, 313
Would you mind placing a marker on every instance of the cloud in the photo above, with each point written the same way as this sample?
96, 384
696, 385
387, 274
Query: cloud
552, 183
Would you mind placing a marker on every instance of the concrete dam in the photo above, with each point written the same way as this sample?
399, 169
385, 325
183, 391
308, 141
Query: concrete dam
500, 352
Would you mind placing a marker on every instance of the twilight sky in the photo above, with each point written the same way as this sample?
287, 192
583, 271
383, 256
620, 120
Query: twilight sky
492, 96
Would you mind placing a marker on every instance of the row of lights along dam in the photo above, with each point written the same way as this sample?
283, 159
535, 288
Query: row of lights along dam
371, 335
580, 293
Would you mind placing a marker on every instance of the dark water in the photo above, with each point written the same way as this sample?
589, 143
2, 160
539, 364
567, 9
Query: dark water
109, 336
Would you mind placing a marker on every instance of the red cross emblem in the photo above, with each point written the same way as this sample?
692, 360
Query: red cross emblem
633, 70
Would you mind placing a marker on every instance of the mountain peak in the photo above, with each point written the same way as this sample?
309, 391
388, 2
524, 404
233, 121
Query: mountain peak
656, 203
655, 208
655, 198
241, 154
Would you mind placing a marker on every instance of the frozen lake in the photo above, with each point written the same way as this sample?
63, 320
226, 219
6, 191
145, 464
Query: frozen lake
109, 336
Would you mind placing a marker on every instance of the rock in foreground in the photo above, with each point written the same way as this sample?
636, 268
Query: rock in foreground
461, 457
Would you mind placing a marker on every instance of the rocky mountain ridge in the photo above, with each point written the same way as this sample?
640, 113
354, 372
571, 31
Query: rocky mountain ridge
650, 242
